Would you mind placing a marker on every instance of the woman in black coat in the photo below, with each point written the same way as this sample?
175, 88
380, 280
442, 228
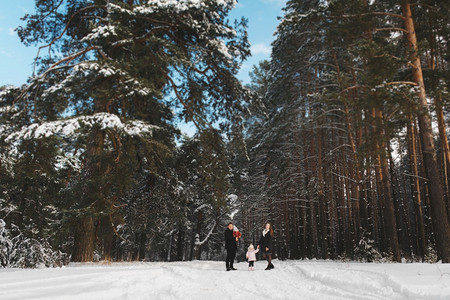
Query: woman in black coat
265, 243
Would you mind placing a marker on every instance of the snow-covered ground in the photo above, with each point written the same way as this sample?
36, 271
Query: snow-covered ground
209, 280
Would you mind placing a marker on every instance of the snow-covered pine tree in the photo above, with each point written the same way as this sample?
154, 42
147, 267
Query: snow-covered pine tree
19, 251
29, 183
6, 244
107, 90
365, 250
176, 216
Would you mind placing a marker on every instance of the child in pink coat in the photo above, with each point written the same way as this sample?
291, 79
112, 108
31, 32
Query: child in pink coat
251, 256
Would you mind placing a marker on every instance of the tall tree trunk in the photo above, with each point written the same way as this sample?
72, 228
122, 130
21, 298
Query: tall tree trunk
437, 202
84, 231
84, 240
333, 214
364, 194
322, 201
306, 236
142, 245
347, 198
198, 248
433, 64
371, 189
355, 175
313, 180
180, 242
301, 208
383, 178
416, 187
445, 149
398, 204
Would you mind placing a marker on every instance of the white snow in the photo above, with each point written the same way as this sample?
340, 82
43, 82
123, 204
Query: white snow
102, 31
209, 280
68, 127
178, 5
221, 47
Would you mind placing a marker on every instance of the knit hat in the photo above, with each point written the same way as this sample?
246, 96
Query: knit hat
251, 247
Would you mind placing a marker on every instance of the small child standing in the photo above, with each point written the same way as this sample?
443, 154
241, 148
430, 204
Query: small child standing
251, 256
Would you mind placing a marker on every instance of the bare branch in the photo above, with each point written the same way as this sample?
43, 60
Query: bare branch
177, 94
402, 82
391, 29
354, 87
368, 14
199, 243
395, 57
62, 33
67, 59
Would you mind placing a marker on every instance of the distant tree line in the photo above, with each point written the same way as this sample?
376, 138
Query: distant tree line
348, 139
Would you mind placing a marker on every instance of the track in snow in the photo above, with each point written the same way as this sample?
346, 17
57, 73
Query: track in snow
209, 280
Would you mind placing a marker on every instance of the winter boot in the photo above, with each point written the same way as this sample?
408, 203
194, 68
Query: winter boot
271, 266
253, 268
249, 268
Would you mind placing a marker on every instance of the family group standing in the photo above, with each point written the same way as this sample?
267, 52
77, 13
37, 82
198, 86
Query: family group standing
265, 244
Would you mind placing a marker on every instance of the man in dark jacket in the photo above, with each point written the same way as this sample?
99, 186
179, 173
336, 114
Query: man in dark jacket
231, 246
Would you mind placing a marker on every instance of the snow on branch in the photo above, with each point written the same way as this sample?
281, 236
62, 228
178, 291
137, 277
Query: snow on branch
203, 206
180, 5
383, 85
199, 243
100, 32
70, 127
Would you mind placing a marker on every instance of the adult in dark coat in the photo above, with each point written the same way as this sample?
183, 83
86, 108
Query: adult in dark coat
231, 246
265, 243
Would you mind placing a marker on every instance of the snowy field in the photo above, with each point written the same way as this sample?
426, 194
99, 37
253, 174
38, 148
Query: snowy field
209, 280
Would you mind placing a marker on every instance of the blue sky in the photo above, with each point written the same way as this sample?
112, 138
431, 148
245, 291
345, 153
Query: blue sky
262, 22
16, 59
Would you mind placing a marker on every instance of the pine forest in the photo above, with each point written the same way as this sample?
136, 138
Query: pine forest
340, 140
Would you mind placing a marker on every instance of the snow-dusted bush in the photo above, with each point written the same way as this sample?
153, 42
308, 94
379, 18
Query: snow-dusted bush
24, 252
6, 244
431, 256
31, 253
366, 251
387, 257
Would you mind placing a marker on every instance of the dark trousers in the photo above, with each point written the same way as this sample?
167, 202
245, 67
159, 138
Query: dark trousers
231, 254
251, 264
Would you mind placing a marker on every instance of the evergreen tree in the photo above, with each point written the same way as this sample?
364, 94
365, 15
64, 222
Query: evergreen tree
106, 93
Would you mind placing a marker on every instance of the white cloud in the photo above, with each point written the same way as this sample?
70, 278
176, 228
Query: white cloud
11, 31
6, 53
24, 9
260, 49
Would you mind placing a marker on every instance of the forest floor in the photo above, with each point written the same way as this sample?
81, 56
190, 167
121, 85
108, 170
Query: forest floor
209, 280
